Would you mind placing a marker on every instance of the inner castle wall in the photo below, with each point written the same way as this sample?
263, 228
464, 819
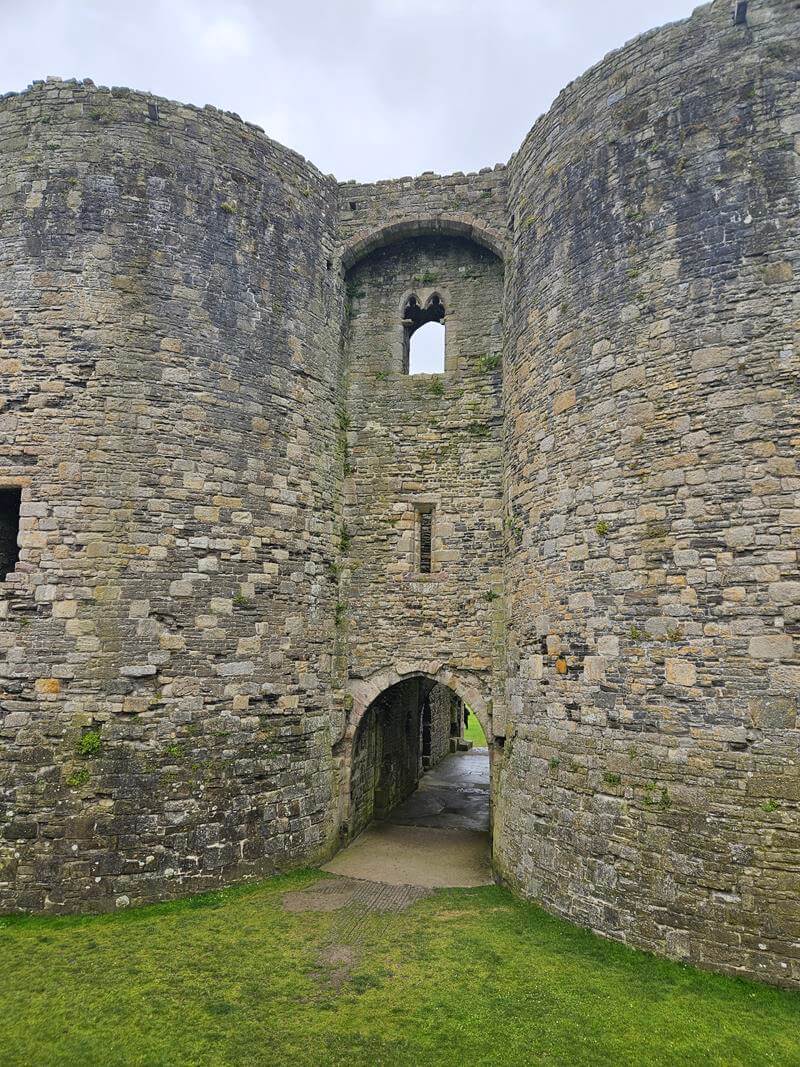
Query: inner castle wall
221, 461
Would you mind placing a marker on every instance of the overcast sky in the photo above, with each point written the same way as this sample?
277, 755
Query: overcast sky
364, 88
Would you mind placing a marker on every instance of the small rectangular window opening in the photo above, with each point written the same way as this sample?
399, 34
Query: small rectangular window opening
425, 541
10, 501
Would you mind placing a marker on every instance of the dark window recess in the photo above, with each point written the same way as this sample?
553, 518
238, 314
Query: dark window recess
426, 735
10, 500
425, 538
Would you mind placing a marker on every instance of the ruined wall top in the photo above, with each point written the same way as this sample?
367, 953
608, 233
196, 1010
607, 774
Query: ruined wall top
472, 205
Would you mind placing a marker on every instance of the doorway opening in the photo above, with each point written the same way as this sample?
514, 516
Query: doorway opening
420, 758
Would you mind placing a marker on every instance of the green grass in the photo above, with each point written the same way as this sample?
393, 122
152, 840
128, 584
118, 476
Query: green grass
464, 977
474, 732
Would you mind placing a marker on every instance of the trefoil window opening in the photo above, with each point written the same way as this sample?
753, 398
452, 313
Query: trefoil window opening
424, 336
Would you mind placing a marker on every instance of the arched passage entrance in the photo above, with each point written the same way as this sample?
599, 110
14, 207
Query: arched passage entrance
410, 760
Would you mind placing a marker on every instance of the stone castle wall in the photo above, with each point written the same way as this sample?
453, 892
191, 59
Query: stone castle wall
446, 722
170, 347
650, 785
417, 441
221, 459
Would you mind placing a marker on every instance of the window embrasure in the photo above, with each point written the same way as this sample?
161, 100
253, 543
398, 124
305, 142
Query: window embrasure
423, 335
424, 539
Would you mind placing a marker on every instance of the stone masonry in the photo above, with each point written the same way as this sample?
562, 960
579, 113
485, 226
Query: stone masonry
218, 467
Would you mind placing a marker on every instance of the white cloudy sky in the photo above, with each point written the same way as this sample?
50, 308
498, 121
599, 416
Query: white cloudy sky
363, 88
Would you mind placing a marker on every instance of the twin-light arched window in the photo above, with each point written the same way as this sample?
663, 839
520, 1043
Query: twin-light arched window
424, 335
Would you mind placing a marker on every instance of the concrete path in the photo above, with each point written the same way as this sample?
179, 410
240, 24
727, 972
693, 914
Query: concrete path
438, 837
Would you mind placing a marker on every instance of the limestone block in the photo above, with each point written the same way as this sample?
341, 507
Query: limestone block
594, 668
680, 672
138, 670
771, 646
608, 646
630, 378
785, 592
564, 401
234, 669
535, 666
581, 601
739, 536
65, 609
205, 513
774, 712
47, 686
248, 646
686, 557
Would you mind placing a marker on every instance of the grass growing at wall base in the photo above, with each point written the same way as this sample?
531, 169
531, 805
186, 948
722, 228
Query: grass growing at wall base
468, 976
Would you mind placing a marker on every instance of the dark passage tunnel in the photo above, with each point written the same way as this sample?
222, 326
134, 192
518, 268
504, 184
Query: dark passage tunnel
412, 763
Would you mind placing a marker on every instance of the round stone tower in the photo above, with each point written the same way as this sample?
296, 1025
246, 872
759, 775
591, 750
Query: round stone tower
231, 521
170, 330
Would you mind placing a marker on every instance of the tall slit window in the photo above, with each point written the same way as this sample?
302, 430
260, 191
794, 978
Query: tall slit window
10, 501
424, 335
425, 540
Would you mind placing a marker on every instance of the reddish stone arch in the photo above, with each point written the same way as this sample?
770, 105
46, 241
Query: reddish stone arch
467, 226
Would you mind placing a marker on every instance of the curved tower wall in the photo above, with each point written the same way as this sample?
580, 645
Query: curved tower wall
170, 326
198, 407
650, 787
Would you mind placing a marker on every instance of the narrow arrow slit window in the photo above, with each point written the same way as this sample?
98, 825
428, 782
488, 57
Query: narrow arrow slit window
425, 541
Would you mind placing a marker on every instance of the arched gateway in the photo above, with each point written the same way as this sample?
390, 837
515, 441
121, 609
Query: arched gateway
229, 513
401, 725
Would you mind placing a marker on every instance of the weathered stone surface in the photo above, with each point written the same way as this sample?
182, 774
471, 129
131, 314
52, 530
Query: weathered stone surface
774, 712
172, 368
222, 464
140, 670
680, 672
669, 492
771, 646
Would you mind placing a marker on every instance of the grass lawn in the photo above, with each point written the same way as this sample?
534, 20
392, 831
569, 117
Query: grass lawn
464, 977
474, 732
